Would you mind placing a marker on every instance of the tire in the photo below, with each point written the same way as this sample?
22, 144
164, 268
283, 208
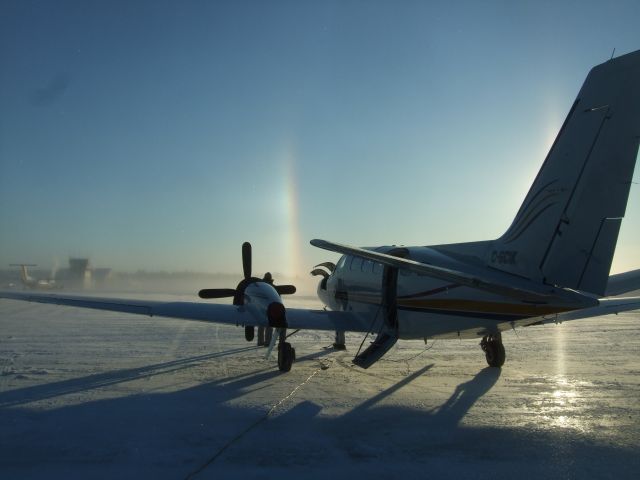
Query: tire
495, 354
249, 333
286, 356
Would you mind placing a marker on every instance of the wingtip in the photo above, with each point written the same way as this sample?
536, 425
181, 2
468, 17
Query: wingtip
325, 245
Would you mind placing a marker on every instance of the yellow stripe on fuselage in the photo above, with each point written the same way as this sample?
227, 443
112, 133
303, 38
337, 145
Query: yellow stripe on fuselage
477, 306
467, 306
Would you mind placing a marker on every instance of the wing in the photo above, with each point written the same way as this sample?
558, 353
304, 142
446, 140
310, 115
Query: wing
205, 312
607, 306
297, 318
519, 289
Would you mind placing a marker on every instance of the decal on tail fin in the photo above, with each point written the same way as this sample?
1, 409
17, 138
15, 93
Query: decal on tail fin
567, 227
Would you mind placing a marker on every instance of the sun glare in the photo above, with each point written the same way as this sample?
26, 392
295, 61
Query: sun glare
291, 232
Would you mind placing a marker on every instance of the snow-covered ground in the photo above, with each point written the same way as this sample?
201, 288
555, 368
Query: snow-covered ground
91, 394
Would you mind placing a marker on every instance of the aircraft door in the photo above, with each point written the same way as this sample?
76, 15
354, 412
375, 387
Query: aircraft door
390, 290
390, 296
388, 335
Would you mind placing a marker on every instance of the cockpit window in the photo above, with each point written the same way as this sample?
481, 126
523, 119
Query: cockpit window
341, 262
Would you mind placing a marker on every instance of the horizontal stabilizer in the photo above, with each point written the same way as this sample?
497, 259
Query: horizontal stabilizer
623, 283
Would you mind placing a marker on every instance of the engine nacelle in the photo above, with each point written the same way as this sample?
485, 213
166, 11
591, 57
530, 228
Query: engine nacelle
263, 302
323, 293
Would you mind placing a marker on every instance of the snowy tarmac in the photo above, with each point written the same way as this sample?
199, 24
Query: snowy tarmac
92, 394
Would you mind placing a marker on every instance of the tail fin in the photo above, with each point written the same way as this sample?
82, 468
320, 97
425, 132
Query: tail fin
566, 230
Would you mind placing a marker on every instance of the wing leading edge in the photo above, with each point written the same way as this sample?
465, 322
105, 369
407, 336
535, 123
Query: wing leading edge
297, 318
206, 312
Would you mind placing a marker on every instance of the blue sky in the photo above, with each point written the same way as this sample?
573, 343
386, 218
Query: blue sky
160, 135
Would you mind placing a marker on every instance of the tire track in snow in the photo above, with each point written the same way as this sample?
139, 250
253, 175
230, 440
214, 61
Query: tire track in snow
255, 424
7, 364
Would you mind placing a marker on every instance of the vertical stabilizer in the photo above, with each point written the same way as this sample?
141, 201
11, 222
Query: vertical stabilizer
24, 275
566, 230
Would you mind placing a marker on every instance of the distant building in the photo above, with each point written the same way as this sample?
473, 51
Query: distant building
100, 276
79, 274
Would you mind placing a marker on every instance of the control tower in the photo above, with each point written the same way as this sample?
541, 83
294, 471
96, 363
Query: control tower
79, 273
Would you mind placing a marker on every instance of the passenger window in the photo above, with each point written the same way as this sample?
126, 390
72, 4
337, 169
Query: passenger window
377, 267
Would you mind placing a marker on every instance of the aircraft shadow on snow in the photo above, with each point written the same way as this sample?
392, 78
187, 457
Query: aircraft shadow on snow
76, 385
190, 427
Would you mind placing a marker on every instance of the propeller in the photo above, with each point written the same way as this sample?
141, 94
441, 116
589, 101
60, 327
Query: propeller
246, 260
330, 266
285, 289
217, 292
239, 290
319, 271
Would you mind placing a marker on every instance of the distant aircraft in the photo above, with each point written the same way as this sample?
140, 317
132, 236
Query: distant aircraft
32, 283
551, 265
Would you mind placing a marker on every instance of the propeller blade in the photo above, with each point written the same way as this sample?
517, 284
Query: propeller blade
217, 292
328, 265
246, 260
319, 271
285, 289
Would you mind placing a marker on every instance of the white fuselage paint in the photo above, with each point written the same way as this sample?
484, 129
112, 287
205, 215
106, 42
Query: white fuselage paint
426, 307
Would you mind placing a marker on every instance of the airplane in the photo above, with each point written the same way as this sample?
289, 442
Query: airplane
32, 283
551, 265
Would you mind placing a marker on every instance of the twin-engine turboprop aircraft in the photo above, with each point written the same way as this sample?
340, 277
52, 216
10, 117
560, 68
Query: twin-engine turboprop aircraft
551, 265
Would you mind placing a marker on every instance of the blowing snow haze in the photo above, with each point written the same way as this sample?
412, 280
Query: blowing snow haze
159, 137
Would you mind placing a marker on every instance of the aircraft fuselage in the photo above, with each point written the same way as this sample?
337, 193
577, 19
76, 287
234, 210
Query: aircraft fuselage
420, 306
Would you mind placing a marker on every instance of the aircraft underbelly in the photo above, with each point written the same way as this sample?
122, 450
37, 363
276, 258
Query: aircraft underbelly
419, 325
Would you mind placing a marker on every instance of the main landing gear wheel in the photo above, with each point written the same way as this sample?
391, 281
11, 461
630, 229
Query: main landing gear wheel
494, 350
286, 356
249, 332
